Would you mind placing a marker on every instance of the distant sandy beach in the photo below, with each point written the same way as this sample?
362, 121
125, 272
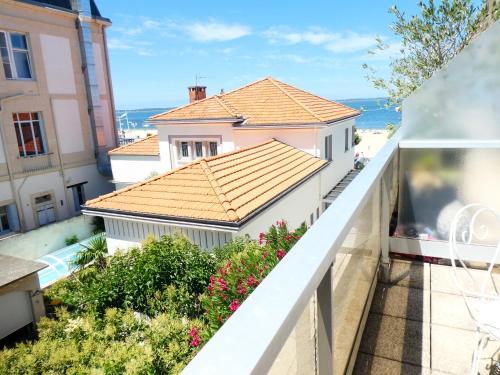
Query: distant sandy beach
138, 133
372, 140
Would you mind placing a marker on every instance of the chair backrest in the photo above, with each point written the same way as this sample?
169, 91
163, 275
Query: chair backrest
467, 227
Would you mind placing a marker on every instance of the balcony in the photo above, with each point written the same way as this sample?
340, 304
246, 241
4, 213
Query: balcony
36, 164
340, 301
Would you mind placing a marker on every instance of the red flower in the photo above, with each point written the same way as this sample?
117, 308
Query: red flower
234, 305
251, 281
212, 279
196, 338
222, 284
289, 237
193, 332
262, 236
195, 342
280, 253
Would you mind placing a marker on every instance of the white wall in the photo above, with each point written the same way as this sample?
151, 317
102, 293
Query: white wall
303, 139
56, 52
343, 161
36, 243
68, 125
295, 208
134, 168
122, 234
165, 132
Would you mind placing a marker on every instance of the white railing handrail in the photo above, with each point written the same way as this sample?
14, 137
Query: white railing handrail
251, 339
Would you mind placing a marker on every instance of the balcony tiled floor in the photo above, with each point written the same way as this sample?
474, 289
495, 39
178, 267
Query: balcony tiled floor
418, 324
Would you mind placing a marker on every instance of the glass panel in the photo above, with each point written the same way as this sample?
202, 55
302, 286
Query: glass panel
25, 116
354, 271
436, 183
38, 137
4, 221
199, 149
461, 100
43, 199
22, 64
19, 141
213, 148
18, 41
184, 149
4, 53
29, 145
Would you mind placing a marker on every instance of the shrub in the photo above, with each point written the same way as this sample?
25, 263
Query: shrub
71, 240
118, 342
248, 264
136, 278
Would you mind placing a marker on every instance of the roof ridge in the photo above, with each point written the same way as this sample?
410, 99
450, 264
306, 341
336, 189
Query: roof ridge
295, 99
317, 96
132, 143
188, 105
245, 86
225, 203
225, 106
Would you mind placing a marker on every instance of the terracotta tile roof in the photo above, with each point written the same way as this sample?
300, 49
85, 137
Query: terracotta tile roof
265, 102
147, 146
223, 188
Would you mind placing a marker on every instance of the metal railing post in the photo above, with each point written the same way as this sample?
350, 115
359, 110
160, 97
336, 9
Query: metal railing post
385, 218
325, 324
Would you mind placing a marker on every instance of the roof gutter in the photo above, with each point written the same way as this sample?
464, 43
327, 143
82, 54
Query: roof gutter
224, 226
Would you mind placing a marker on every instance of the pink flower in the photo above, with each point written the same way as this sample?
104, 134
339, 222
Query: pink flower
262, 236
228, 265
195, 342
193, 332
234, 305
251, 281
280, 254
289, 237
222, 284
280, 223
212, 279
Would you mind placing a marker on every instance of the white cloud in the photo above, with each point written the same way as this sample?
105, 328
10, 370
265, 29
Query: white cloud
215, 31
336, 42
118, 44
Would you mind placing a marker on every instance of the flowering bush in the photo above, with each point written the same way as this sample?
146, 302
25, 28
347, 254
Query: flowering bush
239, 274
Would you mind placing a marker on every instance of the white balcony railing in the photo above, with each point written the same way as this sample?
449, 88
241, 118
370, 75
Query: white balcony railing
334, 265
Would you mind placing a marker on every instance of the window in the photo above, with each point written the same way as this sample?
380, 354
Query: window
328, 147
199, 149
4, 220
29, 133
15, 55
213, 148
311, 219
184, 150
346, 132
78, 196
353, 136
317, 213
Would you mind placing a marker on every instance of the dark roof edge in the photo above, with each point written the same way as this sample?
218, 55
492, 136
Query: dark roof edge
43, 4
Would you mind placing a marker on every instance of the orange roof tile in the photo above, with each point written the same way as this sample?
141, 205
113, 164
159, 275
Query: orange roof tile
147, 146
223, 188
265, 102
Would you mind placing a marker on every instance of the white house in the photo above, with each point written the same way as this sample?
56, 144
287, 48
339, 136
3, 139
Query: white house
212, 199
212, 136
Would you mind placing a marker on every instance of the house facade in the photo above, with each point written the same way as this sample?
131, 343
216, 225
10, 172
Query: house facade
263, 132
56, 111
257, 112
213, 199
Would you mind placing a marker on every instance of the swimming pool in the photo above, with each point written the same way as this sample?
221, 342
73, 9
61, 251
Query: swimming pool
59, 262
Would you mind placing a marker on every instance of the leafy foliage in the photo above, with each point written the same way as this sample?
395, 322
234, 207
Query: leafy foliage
71, 240
120, 342
95, 252
243, 270
428, 41
136, 278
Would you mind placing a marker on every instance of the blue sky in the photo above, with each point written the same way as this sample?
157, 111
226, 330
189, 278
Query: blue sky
157, 47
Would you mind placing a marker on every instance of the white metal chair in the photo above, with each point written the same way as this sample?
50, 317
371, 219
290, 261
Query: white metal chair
481, 294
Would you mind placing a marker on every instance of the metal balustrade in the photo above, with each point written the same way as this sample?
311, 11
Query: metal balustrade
334, 265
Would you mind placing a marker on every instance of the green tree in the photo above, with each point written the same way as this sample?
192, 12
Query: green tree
428, 41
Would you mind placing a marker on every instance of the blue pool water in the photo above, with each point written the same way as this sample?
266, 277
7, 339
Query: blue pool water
59, 262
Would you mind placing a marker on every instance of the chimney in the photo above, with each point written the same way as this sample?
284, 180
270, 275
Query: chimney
197, 93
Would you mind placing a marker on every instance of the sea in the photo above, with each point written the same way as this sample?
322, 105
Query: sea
374, 114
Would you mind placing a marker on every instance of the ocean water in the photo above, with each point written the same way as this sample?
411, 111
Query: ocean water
374, 114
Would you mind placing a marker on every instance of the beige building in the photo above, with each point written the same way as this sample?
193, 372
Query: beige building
56, 111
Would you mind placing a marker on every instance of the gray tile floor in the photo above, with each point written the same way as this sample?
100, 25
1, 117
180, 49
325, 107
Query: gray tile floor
418, 324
